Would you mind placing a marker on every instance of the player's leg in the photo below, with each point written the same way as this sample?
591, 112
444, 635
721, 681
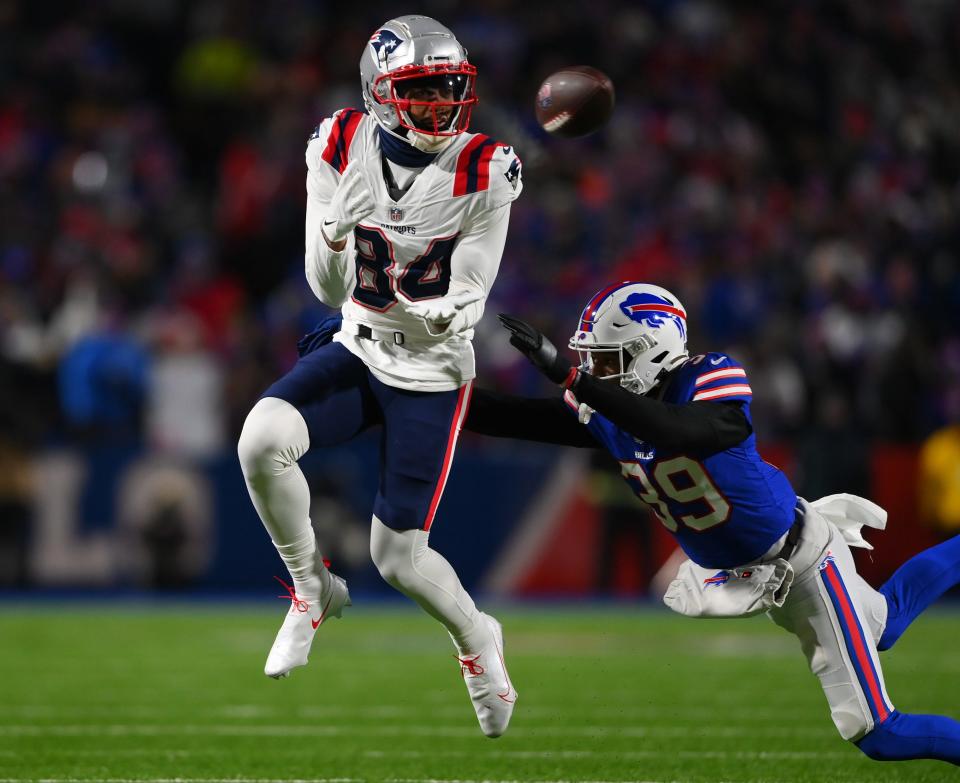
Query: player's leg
322, 401
903, 736
420, 436
834, 613
917, 584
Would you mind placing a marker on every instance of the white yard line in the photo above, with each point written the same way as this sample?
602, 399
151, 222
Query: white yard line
563, 780
744, 755
182, 780
245, 712
660, 730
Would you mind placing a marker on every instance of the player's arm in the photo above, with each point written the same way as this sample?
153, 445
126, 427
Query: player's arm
474, 264
702, 427
524, 418
335, 203
475, 259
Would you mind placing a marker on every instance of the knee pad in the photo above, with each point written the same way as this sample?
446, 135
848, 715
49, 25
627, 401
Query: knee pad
273, 438
851, 724
393, 552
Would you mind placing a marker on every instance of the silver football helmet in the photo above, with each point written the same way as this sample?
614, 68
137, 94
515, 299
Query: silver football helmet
640, 329
412, 52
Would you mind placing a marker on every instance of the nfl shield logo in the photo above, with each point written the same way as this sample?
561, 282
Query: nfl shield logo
396, 214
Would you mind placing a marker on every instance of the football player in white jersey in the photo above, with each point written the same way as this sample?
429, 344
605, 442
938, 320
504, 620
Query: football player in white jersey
406, 221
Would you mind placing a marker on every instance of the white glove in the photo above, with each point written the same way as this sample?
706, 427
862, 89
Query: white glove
438, 313
351, 203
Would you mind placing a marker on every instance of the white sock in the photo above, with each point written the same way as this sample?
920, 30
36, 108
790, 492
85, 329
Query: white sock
303, 561
274, 437
407, 562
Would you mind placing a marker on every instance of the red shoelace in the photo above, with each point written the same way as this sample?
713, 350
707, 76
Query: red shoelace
299, 604
469, 665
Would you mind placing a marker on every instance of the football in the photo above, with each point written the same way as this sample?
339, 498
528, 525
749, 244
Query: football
574, 101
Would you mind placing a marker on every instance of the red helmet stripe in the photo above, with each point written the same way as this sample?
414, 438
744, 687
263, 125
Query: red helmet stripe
586, 318
659, 308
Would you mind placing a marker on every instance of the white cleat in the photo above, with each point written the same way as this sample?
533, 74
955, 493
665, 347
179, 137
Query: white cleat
292, 645
488, 683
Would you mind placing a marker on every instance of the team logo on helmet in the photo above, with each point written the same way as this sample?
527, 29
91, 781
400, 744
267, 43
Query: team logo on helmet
652, 310
383, 43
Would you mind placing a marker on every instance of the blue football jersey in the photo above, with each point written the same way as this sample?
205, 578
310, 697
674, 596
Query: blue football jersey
724, 510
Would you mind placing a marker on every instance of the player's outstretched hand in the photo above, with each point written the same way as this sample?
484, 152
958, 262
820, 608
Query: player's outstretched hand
438, 313
538, 349
351, 203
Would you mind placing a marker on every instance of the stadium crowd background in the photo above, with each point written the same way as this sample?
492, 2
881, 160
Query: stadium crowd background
791, 170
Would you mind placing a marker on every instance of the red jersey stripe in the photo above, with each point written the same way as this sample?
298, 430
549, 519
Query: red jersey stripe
715, 375
483, 167
463, 164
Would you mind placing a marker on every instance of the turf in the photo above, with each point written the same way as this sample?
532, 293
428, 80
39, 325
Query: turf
605, 695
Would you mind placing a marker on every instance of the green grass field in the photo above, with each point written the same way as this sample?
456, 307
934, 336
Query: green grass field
126, 694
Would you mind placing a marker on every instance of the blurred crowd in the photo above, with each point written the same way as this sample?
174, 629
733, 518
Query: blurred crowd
790, 169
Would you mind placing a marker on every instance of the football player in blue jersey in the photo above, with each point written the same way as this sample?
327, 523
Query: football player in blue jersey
680, 426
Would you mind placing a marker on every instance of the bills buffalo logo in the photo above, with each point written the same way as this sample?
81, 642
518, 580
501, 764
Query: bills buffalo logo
826, 561
717, 580
396, 214
544, 97
655, 311
383, 43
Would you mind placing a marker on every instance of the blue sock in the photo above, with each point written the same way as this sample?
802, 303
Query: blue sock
902, 736
917, 584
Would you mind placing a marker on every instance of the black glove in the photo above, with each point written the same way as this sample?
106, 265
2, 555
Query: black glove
322, 333
539, 350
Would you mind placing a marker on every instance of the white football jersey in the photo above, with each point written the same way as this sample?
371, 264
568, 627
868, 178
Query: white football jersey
445, 235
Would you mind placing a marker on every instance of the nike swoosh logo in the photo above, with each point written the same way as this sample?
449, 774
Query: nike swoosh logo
329, 222
505, 695
716, 361
316, 623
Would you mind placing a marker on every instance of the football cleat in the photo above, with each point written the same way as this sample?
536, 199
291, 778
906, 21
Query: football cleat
488, 683
292, 645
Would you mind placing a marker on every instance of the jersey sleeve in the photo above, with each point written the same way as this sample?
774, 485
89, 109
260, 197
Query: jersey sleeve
717, 377
479, 248
506, 176
330, 274
598, 426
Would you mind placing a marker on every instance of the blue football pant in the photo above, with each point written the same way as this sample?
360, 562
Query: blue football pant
917, 584
913, 587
